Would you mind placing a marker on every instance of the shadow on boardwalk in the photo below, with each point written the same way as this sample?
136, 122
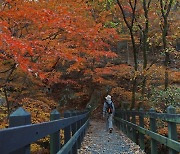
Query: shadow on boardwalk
99, 141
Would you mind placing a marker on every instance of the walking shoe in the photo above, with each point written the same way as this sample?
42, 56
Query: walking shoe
110, 130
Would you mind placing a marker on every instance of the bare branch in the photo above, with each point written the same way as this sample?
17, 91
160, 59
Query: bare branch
162, 8
165, 5
7, 70
169, 8
12, 70
149, 2
123, 13
134, 12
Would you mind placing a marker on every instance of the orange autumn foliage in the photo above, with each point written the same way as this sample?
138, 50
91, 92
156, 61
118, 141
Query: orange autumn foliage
38, 35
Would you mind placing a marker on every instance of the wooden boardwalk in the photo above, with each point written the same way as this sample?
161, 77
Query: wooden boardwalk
99, 141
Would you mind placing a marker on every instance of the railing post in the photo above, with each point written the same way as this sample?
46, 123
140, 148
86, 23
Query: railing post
74, 129
55, 137
154, 147
172, 130
141, 124
87, 118
116, 121
18, 118
134, 136
115, 115
122, 116
81, 123
128, 128
124, 124
120, 123
78, 126
67, 130
73, 126
125, 118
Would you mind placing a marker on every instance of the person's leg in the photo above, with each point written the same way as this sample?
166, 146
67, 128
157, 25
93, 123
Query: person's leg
110, 121
107, 122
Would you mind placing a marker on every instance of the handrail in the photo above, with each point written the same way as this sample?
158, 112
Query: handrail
162, 116
15, 138
161, 139
68, 146
126, 121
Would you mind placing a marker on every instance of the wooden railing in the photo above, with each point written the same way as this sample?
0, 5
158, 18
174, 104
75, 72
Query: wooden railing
22, 133
127, 122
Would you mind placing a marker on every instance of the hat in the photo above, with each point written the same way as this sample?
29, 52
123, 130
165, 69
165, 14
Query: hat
108, 97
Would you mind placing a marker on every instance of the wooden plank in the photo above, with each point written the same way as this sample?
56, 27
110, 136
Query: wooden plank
161, 139
17, 137
68, 146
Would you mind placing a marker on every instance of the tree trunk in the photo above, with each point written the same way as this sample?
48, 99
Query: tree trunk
135, 68
7, 102
134, 93
130, 26
167, 58
146, 6
134, 50
143, 91
166, 82
165, 10
145, 49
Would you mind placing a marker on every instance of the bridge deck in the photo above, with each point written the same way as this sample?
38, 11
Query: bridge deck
99, 141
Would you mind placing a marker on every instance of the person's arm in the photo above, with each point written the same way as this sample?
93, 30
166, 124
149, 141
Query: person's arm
104, 109
113, 108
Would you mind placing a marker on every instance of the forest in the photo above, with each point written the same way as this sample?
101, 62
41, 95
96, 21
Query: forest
72, 53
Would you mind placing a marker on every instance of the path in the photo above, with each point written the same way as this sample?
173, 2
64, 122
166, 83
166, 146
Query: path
99, 141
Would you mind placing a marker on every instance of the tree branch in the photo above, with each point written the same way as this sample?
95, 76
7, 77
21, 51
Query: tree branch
169, 8
162, 8
123, 13
12, 70
7, 70
149, 4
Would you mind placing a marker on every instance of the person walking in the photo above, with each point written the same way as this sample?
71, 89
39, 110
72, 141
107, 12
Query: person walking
108, 113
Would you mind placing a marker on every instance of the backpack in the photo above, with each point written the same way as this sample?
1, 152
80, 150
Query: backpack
109, 108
